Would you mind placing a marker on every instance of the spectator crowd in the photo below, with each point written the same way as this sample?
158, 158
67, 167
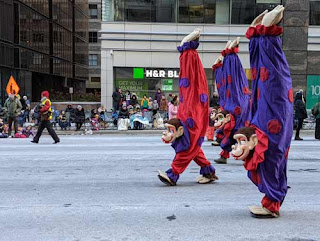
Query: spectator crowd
19, 120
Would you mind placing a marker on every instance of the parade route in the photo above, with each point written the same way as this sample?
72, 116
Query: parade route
105, 187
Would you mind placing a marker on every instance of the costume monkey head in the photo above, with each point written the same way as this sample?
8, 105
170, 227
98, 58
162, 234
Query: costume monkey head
222, 118
246, 142
215, 111
174, 131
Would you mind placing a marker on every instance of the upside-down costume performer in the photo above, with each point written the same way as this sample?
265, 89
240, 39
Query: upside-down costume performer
264, 144
235, 88
187, 131
217, 69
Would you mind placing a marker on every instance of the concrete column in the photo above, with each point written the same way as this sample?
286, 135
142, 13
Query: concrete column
295, 40
106, 78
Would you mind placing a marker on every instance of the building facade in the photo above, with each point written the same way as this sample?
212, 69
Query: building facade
139, 40
94, 81
44, 45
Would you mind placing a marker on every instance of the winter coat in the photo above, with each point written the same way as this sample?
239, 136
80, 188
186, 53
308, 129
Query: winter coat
155, 106
163, 105
214, 101
123, 113
72, 112
318, 103
299, 107
116, 97
79, 116
13, 107
145, 103
158, 96
133, 101
173, 111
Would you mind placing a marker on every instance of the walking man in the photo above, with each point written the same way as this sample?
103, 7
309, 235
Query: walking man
46, 116
13, 108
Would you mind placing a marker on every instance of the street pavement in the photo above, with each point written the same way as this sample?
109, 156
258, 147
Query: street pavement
105, 187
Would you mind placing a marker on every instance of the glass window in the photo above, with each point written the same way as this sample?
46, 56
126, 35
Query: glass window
93, 59
205, 11
314, 12
95, 79
139, 10
93, 11
245, 11
93, 37
163, 11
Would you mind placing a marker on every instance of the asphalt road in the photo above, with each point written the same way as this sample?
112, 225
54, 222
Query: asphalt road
99, 188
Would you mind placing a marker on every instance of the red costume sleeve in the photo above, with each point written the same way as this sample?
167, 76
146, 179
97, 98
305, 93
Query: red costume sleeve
46, 107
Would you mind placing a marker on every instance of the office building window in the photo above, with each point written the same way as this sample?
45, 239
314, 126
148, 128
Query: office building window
139, 10
93, 11
93, 37
245, 11
314, 12
188, 11
195, 11
95, 79
93, 59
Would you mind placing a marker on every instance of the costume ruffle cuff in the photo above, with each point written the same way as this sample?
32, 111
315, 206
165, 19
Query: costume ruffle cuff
207, 170
230, 51
173, 177
187, 46
251, 163
261, 30
216, 66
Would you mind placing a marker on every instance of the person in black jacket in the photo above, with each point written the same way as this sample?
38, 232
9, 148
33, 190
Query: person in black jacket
134, 100
214, 101
123, 113
300, 114
116, 99
79, 117
72, 114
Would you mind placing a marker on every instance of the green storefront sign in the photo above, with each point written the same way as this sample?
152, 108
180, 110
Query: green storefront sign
138, 86
167, 85
313, 90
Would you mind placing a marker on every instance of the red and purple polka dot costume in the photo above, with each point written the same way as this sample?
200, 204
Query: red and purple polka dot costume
193, 110
271, 114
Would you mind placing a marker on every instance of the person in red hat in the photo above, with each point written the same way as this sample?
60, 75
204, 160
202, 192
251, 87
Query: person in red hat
46, 116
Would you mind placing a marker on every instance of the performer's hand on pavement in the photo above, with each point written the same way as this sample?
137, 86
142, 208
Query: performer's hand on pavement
192, 36
258, 19
273, 17
235, 43
218, 60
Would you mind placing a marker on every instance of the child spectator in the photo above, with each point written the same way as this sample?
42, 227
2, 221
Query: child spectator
155, 107
150, 103
134, 100
25, 132
173, 108
144, 103
123, 118
123, 113
95, 122
62, 120
2, 130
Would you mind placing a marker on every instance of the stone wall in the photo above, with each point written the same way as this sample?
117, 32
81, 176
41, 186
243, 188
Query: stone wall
295, 40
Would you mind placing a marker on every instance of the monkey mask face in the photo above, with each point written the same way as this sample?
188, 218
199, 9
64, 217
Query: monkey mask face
244, 145
214, 113
221, 119
172, 133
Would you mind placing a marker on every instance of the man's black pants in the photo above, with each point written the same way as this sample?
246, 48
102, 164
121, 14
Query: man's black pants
15, 122
42, 126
